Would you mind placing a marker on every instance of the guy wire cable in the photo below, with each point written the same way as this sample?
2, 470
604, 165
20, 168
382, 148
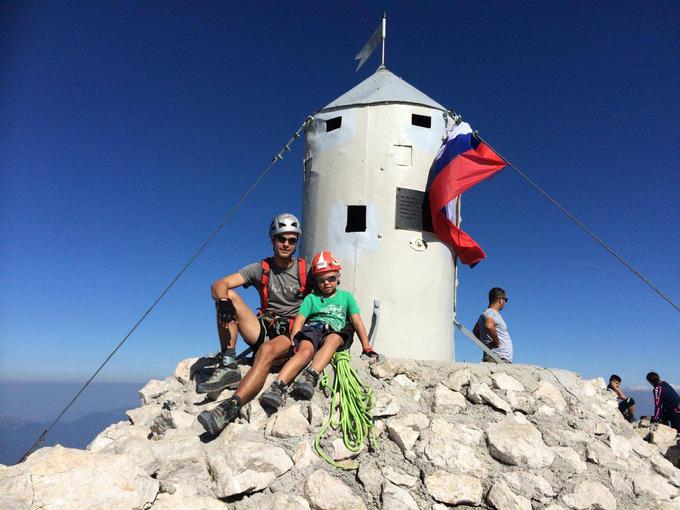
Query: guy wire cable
278, 157
583, 227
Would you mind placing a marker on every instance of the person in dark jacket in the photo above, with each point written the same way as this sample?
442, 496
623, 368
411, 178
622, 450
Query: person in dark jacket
666, 402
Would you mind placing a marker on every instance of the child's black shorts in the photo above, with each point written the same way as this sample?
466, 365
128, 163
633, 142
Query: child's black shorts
317, 331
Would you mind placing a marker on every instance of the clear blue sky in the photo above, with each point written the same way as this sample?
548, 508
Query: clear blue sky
128, 129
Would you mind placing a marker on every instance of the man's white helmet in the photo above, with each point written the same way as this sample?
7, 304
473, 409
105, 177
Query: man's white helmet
284, 223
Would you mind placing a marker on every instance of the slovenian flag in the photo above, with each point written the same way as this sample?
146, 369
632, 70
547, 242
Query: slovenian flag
462, 161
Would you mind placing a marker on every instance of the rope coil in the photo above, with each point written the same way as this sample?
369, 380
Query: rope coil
351, 403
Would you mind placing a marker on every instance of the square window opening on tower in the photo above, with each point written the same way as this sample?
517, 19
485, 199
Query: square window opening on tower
333, 124
356, 218
421, 120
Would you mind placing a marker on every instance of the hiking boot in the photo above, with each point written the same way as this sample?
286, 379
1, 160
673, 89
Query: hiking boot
226, 374
305, 384
216, 419
275, 396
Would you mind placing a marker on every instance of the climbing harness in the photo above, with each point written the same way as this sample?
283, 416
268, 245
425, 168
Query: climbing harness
351, 404
232, 211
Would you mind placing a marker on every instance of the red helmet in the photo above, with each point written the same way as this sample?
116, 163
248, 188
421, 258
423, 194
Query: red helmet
324, 262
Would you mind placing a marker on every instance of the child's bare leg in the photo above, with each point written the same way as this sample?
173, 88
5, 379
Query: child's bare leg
299, 361
323, 356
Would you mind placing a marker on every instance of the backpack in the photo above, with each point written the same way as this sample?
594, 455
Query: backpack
264, 282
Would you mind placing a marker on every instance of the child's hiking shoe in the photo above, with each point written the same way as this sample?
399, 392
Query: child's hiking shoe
275, 396
216, 419
226, 374
305, 384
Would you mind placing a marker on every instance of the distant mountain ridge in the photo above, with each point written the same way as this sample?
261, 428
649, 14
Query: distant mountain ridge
17, 434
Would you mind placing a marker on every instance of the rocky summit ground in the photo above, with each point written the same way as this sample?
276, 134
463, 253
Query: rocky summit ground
449, 435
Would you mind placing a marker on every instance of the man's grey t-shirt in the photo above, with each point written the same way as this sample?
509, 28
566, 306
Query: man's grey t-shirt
284, 287
504, 350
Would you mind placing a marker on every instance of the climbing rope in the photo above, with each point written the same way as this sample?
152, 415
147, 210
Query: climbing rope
350, 410
278, 157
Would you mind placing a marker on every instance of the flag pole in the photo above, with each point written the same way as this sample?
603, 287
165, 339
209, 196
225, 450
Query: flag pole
384, 34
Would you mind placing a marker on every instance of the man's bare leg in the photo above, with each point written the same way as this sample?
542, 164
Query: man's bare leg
254, 380
293, 366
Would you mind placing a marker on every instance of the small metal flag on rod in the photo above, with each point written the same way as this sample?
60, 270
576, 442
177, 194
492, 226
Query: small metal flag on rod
368, 49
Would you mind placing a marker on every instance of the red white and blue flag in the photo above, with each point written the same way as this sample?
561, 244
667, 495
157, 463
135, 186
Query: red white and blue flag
462, 161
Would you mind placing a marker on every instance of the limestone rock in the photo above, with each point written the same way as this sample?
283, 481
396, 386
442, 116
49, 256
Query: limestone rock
122, 429
666, 469
174, 502
144, 416
570, 458
652, 485
589, 495
370, 477
399, 478
247, 466
444, 451
505, 382
182, 371
61, 478
183, 469
305, 455
405, 382
155, 390
518, 444
501, 497
341, 452
620, 446
550, 394
454, 489
530, 485
325, 492
405, 431
290, 422
459, 380
482, 394
138, 448
280, 501
396, 498
662, 436
447, 401
385, 405
315, 415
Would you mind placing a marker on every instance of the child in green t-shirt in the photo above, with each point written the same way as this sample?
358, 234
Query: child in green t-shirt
319, 330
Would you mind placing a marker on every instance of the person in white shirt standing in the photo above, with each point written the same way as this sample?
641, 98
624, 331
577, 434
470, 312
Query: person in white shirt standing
491, 328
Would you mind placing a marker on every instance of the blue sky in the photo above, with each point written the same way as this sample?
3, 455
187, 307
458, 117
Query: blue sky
129, 129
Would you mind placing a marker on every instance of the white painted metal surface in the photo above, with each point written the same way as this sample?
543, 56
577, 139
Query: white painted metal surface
375, 150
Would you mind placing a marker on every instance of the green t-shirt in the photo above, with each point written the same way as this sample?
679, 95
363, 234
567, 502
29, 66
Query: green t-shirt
329, 310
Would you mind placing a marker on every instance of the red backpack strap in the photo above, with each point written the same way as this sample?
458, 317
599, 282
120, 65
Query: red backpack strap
302, 276
264, 285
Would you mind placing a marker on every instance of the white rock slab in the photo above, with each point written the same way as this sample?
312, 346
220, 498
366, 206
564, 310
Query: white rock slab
652, 485
175, 502
385, 405
325, 492
280, 501
305, 455
589, 495
550, 393
482, 394
459, 380
571, 458
530, 485
518, 444
399, 478
246, 466
59, 478
503, 381
454, 489
501, 497
396, 498
447, 401
290, 422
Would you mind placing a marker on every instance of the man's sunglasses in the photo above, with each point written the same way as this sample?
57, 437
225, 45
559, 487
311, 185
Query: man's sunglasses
290, 240
506, 299
328, 279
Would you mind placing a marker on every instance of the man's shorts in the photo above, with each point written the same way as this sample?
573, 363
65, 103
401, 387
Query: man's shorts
487, 358
316, 332
271, 328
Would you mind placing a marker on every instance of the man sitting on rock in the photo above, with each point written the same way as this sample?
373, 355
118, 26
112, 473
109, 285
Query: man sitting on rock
491, 328
626, 404
666, 402
281, 282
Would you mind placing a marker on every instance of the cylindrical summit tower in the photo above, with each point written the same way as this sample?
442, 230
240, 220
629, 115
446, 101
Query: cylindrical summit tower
367, 159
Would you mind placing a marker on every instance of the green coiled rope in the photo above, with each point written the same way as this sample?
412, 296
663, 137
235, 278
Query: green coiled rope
352, 402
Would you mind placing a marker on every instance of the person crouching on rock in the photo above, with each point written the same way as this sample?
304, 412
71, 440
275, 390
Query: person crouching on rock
318, 332
281, 282
626, 404
666, 402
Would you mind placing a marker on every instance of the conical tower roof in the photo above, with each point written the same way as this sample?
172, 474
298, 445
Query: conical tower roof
380, 88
